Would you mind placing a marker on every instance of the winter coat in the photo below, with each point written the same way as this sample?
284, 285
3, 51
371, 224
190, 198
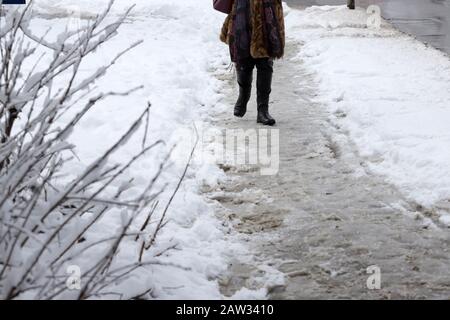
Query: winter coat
258, 46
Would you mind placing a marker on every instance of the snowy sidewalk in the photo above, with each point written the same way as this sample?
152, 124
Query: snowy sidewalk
330, 214
363, 118
389, 94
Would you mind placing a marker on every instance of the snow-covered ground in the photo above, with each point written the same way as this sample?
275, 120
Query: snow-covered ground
387, 91
175, 64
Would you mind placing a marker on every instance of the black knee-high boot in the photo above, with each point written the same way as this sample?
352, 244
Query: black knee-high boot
264, 86
244, 78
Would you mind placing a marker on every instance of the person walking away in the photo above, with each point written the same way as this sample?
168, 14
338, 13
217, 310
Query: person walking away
255, 34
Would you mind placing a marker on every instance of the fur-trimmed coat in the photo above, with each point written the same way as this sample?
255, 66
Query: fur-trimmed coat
257, 46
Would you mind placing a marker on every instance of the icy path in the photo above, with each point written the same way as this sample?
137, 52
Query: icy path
323, 220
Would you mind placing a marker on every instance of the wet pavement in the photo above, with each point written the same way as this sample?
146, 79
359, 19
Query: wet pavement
428, 20
323, 220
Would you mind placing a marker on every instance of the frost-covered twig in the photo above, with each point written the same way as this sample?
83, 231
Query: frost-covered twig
46, 221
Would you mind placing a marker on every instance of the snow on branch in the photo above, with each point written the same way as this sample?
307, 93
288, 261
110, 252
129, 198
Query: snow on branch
44, 224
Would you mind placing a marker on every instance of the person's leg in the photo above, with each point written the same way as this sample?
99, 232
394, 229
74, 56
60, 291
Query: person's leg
264, 88
244, 70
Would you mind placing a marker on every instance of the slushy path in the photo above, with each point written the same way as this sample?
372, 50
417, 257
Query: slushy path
323, 220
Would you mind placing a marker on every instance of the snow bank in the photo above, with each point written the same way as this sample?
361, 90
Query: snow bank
388, 92
174, 63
